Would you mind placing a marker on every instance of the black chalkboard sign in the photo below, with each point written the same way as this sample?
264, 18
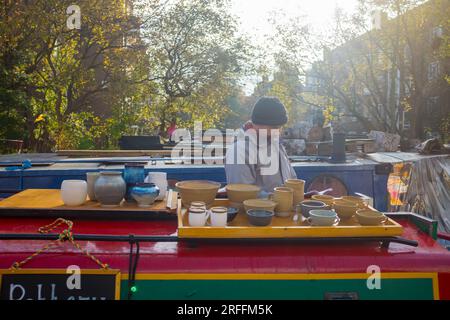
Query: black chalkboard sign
59, 284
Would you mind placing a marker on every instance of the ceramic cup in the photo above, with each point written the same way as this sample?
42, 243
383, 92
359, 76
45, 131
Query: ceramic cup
160, 179
284, 197
219, 216
323, 218
299, 189
91, 178
74, 192
197, 217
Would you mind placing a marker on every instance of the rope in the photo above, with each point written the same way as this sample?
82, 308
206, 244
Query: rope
132, 265
65, 235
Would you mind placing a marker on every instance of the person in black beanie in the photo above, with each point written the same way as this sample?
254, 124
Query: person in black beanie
268, 114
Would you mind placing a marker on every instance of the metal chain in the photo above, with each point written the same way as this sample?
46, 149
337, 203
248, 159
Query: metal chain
65, 235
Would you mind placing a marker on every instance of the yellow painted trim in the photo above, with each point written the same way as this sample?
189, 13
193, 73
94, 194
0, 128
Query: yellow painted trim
436, 287
282, 228
115, 272
287, 276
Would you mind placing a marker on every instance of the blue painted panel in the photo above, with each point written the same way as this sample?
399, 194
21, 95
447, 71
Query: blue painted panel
10, 183
359, 178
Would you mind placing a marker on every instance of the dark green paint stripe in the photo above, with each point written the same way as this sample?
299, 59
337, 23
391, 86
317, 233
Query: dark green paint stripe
404, 289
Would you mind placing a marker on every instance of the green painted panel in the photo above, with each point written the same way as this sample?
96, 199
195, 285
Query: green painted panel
421, 289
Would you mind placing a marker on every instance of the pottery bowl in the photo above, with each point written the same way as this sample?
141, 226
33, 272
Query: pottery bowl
231, 214
324, 198
361, 202
260, 218
345, 209
259, 204
145, 194
323, 217
238, 193
370, 217
307, 205
197, 190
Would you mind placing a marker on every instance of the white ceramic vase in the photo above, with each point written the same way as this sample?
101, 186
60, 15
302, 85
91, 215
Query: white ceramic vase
74, 192
160, 180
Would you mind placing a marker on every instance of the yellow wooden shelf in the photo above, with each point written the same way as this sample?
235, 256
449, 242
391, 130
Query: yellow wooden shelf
51, 199
240, 228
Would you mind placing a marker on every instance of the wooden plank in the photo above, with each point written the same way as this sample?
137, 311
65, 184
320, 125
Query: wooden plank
113, 153
48, 202
282, 228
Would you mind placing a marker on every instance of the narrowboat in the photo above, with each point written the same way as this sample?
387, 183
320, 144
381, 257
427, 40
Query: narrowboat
149, 259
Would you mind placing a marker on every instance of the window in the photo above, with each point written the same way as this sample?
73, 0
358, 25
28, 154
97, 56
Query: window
409, 86
433, 70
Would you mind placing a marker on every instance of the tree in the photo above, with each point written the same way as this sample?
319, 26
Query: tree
284, 61
70, 77
196, 58
379, 74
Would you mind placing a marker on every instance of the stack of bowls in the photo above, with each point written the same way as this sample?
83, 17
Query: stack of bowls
238, 193
307, 205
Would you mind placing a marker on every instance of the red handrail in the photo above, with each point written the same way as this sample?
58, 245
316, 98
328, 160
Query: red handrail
444, 236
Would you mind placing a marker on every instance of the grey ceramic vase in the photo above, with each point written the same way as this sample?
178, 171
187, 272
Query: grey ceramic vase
91, 178
110, 188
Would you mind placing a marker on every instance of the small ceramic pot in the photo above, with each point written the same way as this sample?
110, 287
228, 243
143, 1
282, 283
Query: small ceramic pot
73, 192
284, 197
299, 189
110, 188
133, 173
145, 194
91, 178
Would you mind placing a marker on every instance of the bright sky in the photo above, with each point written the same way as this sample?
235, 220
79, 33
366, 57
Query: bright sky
319, 13
253, 15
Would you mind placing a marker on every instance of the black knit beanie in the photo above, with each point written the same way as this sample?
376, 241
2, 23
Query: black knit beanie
269, 111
